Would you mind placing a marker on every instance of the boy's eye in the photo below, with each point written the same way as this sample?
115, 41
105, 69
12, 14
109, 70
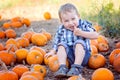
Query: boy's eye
73, 18
66, 20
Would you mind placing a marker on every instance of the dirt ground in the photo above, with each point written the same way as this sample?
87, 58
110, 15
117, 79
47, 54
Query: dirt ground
51, 27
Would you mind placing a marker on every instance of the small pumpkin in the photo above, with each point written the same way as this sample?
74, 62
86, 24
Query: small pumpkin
39, 39
102, 74
94, 50
16, 24
10, 33
76, 78
113, 55
47, 16
116, 63
94, 42
40, 68
20, 69
28, 77
103, 47
53, 63
102, 39
34, 57
1, 47
96, 61
117, 45
26, 21
6, 74
39, 49
15, 19
7, 56
6, 25
27, 35
2, 34
36, 74
23, 42
21, 54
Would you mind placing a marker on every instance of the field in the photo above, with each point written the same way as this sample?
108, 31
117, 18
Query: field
34, 10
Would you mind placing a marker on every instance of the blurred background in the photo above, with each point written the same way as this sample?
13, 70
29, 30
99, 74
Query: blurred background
34, 9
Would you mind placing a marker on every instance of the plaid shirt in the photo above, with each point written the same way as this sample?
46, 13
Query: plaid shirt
67, 36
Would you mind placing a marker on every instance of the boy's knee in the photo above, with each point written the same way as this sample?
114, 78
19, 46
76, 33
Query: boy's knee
61, 47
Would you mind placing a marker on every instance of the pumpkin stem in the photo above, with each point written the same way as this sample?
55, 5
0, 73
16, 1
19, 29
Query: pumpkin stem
42, 30
3, 65
8, 50
31, 29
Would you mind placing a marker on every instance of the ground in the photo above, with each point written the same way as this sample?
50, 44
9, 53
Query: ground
51, 27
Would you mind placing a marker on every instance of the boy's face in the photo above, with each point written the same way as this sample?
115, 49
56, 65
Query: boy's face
70, 20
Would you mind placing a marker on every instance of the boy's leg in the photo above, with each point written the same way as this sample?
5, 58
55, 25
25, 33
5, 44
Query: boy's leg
76, 68
62, 71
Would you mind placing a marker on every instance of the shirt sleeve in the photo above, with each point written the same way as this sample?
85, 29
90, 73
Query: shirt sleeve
57, 38
88, 26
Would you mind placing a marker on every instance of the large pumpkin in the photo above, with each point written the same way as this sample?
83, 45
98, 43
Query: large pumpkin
40, 68
113, 55
34, 57
116, 63
39, 39
33, 73
7, 57
102, 74
20, 69
53, 63
21, 54
96, 61
10, 33
39, 49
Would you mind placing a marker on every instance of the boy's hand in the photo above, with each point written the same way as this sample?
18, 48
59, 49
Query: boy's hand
51, 53
76, 31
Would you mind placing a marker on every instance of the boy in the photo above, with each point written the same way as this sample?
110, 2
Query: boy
72, 41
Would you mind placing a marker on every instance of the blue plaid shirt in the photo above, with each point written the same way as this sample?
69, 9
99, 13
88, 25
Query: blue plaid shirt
67, 36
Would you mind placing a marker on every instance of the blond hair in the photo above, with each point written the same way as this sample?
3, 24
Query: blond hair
68, 7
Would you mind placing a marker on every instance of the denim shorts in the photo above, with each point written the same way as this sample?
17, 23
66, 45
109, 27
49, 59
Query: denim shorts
70, 52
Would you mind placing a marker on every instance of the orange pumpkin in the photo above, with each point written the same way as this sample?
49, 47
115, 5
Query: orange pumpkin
102, 74
54, 64
34, 57
7, 57
113, 55
28, 77
26, 22
6, 25
76, 78
102, 39
2, 34
39, 68
46, 60
12, 41
39, 39
94, 50
33, 73
47, 16
116, 63
15, 19
97, 27
94, 42
27, 35
96, 61
10, 33
13, 48
20, 69
1, 47
21, 54
16, 24
23, 42
39, 49
117, 45
6, 74
103, 47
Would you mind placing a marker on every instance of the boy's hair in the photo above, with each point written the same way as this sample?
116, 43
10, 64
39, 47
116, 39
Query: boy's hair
68, 7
